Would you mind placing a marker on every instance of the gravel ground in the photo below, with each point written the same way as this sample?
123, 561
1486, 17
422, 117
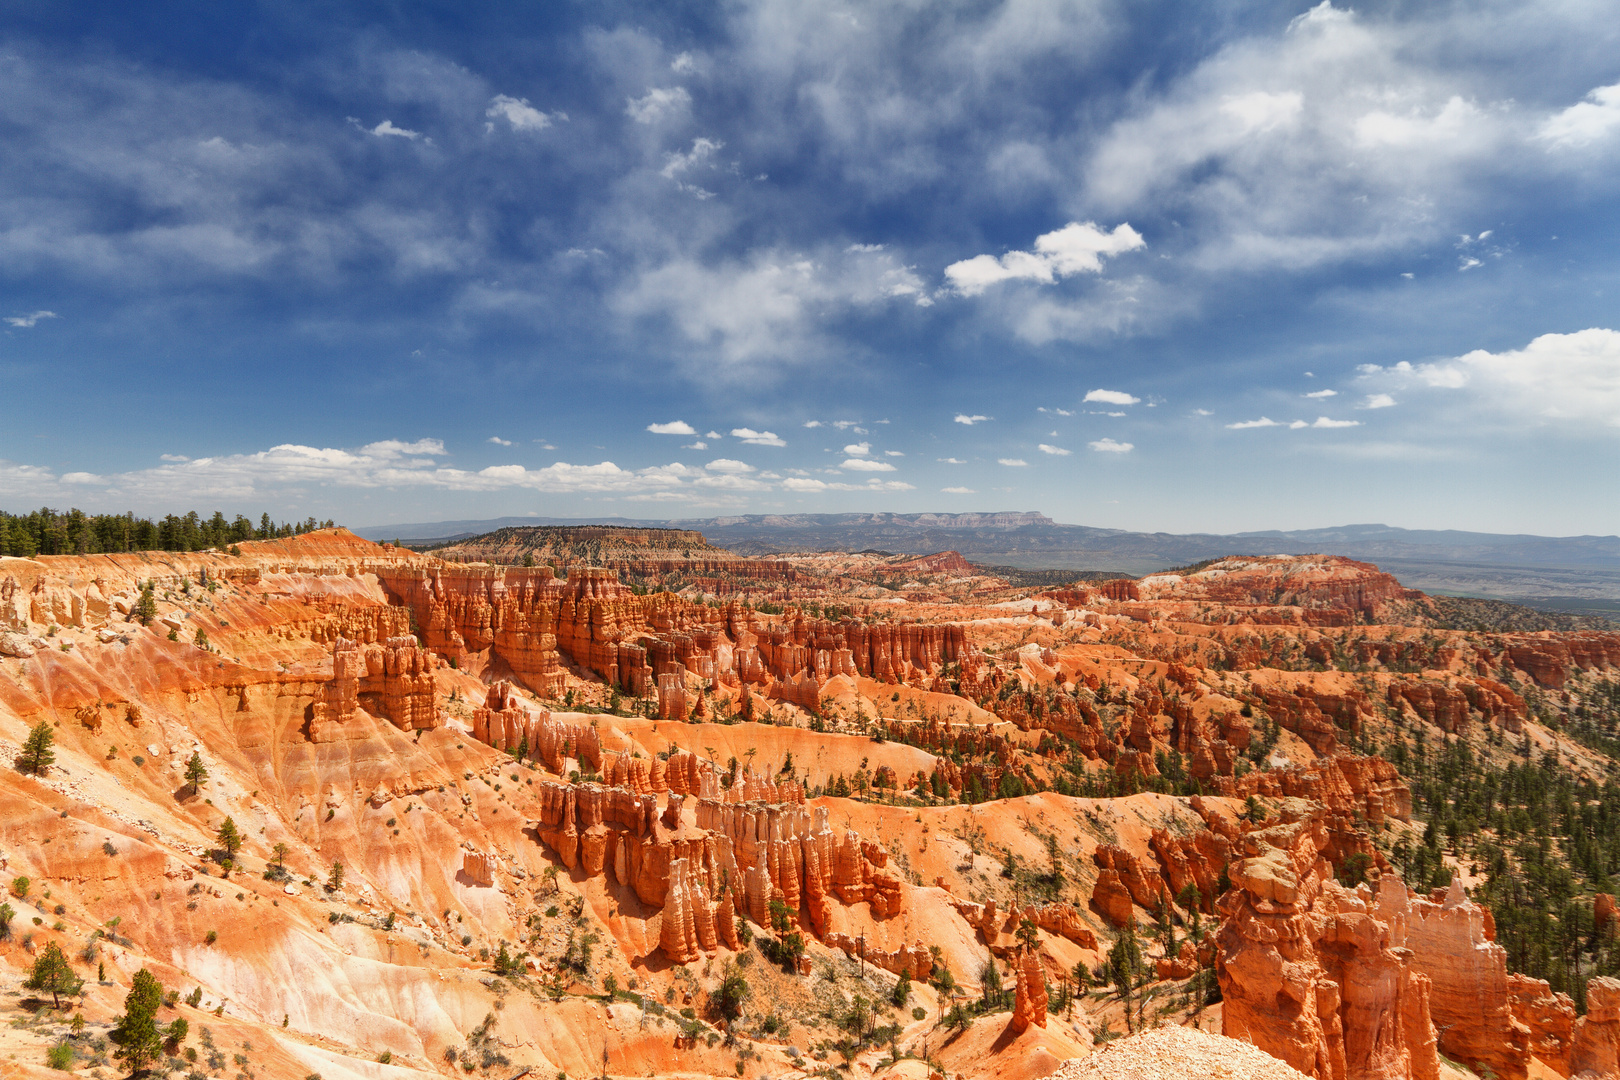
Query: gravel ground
1177, 1053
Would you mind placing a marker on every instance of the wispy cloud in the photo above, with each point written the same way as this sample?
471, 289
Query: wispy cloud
1016, 463
1055, 450
658, 104
1110, 446
958, 491
23, 322
964, 418
520, 114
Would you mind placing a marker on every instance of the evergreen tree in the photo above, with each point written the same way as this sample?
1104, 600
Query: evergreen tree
53, 975
146, 607
230, 839
334, 881
196, 771
37, 755
140, 1041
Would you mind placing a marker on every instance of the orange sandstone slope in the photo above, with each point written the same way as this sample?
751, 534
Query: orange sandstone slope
571, 816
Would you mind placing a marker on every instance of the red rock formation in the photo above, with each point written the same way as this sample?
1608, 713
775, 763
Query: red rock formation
1549, 1017
1143, 882
479, 866
1596, 1049
678, 928
1449, 943
1548, 658
1029, 991
1308, 974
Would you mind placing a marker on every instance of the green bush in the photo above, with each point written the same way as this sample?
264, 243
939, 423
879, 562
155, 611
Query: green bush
60, 1056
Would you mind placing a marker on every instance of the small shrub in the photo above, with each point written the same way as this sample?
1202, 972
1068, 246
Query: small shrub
919, 1013
60, 1056
106, 846
211, 937
385, 1057
19, 887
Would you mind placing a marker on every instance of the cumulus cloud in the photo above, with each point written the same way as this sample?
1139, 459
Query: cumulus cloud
951, 461
757, 438
699, 445
1378, 401
657, 104
1076, 248
673, 427
812, 423
1112, 397
1264, 421
1016, 463
1586, 122
1327, 422
860, 449
498, 441
964, 418
23, 322
83, 478
1055, 450
1110, 446
1569, 378
729, 465
866, 465
520, 114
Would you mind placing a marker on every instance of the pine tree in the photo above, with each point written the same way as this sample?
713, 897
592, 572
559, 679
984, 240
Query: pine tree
230, 839
334, 881
37, 755
146, 607
196, 771
53, 974
140, 1041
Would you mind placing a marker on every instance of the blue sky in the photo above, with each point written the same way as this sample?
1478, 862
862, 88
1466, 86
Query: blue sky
1165, 266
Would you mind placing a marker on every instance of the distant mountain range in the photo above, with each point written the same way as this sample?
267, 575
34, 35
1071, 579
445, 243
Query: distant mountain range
1520, 567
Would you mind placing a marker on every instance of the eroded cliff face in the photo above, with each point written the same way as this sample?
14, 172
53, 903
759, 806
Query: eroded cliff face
1309, 975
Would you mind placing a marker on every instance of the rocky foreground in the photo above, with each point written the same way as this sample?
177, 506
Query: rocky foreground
797, 815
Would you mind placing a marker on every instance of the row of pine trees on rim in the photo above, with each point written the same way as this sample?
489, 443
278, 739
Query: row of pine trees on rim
48, 532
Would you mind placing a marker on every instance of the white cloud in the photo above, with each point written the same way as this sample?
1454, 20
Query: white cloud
757, 438
1264, 421
1060, 412
683, 64
173, 457
860, 449
1586, 122
391, 448
958, 491
894, 453
673, 427
1325, 422
81, 478
866, 465
657, 104
812, 423
713, 435
798, 483
23, 322
1055, 450
498, 441
1112, 397
729, 465
387, 128
770, 306
1378, 401
964, 418
699, 445
1322, 394
1016, 463
1076, 248
1203, 412
845, 425
951, 460
1573, 378
1109, 446
520, 114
